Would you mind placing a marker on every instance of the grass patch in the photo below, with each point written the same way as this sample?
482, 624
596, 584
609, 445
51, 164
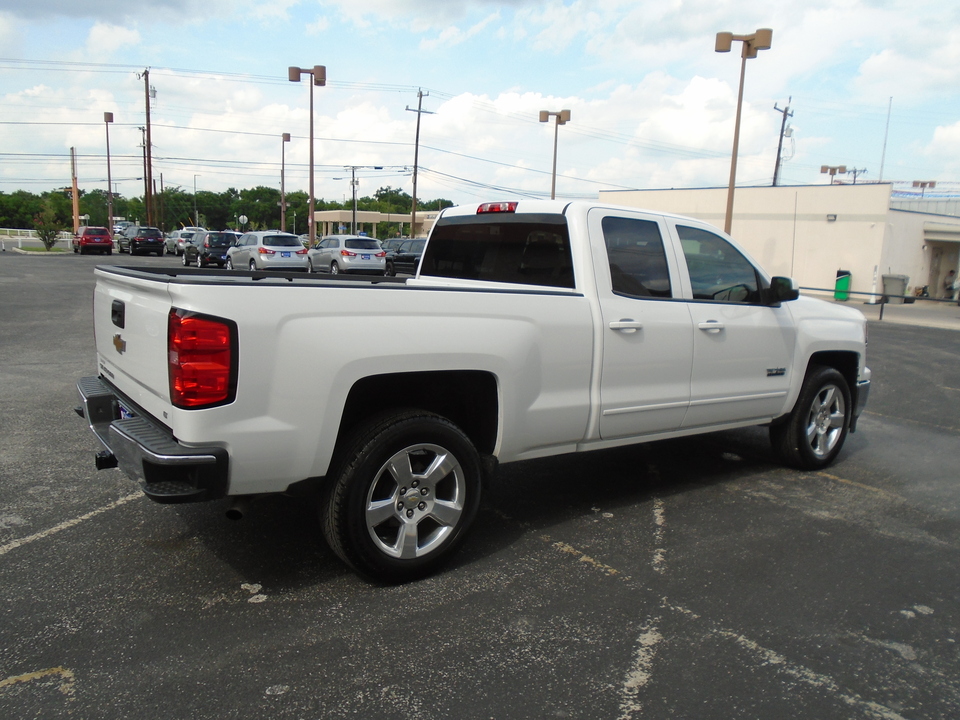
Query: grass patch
42, 250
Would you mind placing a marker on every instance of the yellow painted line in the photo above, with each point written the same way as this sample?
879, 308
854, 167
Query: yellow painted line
14, 544
862, 486
66, 685
570, 550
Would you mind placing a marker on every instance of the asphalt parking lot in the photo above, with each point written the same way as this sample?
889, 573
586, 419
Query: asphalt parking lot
683, 579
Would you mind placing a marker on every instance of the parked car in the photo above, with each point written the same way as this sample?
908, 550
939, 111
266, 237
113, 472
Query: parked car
347, 254
267, 250
211, 247
141, 240
92, 239
121, 226
406, 258
178, 239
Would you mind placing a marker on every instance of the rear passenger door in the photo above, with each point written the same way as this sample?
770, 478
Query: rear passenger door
647, 334
742, 349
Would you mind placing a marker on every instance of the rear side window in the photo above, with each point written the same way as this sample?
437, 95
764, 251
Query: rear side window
638, 263
526, 249
718, 271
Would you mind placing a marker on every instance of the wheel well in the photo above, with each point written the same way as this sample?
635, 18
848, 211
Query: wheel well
847, 363
467, 398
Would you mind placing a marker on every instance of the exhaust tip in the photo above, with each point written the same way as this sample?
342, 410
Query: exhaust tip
238, 509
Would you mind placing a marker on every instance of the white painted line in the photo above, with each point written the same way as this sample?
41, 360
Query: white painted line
640, 673
659, 553
14, 544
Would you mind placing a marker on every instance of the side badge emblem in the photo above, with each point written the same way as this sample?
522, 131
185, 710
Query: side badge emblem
119, 343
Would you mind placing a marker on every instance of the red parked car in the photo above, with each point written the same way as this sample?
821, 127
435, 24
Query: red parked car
93, 239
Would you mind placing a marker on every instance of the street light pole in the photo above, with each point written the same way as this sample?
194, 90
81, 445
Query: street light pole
563, 117
283, 194
832, 170
318, 76
107, 119
760, 40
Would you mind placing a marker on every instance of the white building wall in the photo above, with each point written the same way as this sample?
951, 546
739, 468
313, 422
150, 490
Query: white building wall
808, 233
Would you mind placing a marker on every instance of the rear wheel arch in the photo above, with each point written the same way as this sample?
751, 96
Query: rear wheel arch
468, 398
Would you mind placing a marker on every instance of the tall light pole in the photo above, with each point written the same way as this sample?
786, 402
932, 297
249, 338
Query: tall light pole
283, 193
832, 170
318, 74
563, 117
760, 40
107, 119
196, 215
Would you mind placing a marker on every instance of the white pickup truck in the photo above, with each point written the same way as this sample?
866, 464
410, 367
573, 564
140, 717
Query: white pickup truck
530, 329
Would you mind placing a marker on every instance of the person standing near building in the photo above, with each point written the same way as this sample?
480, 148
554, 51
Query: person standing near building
950, 285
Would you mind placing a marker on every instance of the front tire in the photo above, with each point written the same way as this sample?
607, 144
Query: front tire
812, 435
229, 264
402, 496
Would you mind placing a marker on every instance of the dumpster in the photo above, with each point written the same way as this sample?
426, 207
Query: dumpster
895, 285
842, 288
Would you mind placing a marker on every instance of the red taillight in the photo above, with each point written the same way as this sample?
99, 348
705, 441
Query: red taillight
381, 254
201, 358
301, 252
497, 207
265, 251
347, 253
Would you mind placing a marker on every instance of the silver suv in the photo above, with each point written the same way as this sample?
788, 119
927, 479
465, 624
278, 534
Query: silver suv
347, 254
267, 250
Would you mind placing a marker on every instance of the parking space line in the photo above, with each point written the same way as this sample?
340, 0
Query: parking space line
14, 544
862, 486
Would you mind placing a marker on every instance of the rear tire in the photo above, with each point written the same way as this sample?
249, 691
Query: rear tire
334, 269
401, 496
253, 266
811, 436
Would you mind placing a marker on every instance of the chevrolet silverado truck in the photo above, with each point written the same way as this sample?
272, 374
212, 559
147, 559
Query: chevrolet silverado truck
530, 329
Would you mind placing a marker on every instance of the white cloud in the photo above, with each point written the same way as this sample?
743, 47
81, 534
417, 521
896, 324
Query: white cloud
452, 35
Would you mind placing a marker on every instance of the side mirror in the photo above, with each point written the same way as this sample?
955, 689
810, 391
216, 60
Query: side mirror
781, 290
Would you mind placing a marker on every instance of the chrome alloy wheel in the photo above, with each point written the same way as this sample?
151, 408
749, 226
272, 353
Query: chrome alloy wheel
416, 501
825, 423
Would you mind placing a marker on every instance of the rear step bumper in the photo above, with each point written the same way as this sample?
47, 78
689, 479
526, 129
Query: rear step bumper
147, 452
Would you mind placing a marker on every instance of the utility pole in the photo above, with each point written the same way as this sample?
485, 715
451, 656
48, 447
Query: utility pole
76, 191
855, 172
148, 156
146, 188
783, 126
416, 158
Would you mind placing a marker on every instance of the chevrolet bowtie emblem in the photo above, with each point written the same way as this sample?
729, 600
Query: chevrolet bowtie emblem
119, 343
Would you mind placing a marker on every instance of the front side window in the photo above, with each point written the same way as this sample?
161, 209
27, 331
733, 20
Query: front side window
718, 271
638, 263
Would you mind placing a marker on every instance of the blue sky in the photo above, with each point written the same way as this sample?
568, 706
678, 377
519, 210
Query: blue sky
652, 104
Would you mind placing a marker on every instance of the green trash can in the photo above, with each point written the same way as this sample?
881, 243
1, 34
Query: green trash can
842, 287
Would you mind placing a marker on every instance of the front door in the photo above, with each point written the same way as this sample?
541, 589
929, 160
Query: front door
742, 350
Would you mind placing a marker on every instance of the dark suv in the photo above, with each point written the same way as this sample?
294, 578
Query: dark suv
140, 240
92, 239
212, 246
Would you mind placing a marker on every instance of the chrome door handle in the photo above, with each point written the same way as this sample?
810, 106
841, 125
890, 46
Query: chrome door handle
626, 325
711, 325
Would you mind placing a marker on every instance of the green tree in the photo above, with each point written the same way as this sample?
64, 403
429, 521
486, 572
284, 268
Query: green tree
48, 225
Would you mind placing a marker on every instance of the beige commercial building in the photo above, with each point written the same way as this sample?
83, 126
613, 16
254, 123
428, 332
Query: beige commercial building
812, 232
336, 222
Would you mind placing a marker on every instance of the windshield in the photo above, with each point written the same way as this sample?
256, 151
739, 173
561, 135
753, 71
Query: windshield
362, 244
282, 241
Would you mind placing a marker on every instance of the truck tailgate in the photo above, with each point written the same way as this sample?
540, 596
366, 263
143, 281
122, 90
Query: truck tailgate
130, 321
